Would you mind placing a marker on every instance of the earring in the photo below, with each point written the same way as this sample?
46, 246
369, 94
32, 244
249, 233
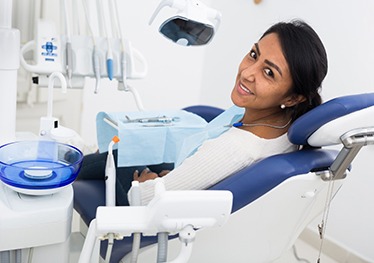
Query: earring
283, 106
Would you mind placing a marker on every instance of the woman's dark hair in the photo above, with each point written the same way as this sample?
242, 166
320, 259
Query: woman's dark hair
307, 61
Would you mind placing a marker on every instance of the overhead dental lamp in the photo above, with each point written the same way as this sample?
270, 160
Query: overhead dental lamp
194, 24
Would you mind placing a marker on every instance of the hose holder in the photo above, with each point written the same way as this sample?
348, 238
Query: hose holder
353, 141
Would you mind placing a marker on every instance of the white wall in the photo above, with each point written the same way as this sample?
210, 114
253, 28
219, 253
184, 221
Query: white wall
181, 76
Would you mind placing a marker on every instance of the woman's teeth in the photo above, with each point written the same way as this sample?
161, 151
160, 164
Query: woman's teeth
245, 89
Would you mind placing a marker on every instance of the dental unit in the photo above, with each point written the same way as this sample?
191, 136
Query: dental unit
38, 191
79, 56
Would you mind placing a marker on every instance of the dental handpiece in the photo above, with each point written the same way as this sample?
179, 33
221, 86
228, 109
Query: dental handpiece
69, 62
96, 68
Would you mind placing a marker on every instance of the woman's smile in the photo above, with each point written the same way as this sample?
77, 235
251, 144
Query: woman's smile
244, 90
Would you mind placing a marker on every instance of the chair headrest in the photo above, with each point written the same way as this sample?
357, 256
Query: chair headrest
325, 124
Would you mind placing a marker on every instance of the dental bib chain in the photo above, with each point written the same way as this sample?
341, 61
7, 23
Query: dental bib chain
241, 124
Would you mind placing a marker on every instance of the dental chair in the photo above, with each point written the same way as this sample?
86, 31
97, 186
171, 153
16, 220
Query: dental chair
273, 199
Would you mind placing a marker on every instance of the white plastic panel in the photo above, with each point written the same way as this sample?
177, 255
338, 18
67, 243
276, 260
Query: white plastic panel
330, 133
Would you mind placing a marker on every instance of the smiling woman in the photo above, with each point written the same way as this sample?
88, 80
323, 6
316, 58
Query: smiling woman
280, 78
277, 81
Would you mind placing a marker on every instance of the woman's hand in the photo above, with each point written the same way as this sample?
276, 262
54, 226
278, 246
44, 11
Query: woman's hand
163, 173
147, 174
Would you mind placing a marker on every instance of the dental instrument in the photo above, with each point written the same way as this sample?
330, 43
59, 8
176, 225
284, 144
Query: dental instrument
110, 189
125, 64
162, 119
110, 175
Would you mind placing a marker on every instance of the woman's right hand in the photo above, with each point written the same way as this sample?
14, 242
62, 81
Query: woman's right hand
148, 175
145, 175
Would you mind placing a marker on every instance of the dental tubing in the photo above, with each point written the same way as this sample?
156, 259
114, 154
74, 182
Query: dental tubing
110, 175
95, 54
109, 54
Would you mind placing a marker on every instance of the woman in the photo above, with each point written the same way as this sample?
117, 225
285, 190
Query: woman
277, 81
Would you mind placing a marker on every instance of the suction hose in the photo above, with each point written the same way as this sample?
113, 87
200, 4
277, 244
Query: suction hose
162, 249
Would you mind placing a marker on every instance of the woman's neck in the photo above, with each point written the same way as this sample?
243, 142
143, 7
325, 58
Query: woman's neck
266, 125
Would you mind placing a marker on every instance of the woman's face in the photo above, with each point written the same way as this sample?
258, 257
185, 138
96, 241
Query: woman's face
264, 81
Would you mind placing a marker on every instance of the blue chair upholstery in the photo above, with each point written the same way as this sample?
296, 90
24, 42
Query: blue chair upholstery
208, 113
254, 181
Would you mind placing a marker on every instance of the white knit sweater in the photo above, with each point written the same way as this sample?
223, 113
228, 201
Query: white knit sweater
216, 159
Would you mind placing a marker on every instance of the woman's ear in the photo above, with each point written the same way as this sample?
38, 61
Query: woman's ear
294, 99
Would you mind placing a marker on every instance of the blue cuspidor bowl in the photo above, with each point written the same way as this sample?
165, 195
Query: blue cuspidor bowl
39, 167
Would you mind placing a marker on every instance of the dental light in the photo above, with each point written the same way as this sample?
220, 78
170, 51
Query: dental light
195, 23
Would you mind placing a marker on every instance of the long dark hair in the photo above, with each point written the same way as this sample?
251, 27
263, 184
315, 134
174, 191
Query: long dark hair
307, 61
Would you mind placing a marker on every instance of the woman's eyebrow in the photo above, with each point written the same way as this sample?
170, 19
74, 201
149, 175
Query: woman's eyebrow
257, 49
267, 61
271, 64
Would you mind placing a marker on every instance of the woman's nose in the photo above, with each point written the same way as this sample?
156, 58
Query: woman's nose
249, 73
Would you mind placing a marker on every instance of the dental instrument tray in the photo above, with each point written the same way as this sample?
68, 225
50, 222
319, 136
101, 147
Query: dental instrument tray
39, 167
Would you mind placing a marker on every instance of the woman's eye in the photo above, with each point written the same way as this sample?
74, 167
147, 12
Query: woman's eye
253, 54
269, 72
